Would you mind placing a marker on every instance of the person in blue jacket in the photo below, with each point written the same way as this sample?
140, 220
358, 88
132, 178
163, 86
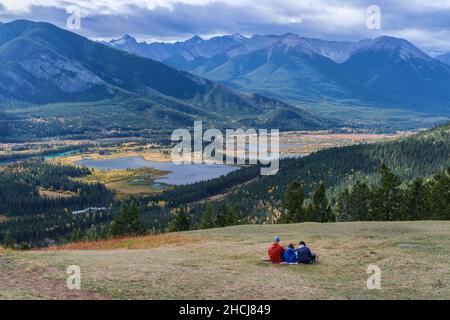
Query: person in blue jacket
304, 254
290, 255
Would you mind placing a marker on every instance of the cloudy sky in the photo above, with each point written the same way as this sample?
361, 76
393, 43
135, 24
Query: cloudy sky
424, 22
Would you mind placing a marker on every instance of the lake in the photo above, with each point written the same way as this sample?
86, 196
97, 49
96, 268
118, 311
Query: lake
179, 174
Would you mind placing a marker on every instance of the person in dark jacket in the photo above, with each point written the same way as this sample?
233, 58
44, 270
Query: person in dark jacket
290, 256
304, 254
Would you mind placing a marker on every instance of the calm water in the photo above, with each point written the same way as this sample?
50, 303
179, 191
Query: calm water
61, 154
179, 174
47, 157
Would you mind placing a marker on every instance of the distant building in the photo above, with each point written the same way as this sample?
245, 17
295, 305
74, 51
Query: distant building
89, 210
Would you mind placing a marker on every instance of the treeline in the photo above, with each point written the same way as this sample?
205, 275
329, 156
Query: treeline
390, 199
80, 228
126, 222
210, 218
54, 228
21, 182
34, 217
387, 200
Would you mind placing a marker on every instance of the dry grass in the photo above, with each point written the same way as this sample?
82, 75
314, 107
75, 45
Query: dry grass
38, 147
50, 194
227, 263
308, 142
27, 279
146, 242
126, 182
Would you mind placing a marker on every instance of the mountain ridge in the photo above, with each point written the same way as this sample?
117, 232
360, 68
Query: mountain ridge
445, 58
299, 69
41, 63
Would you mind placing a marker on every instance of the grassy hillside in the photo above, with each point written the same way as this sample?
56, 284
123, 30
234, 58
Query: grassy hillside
414, 258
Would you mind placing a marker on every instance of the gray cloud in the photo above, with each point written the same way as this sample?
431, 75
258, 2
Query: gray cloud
425, 23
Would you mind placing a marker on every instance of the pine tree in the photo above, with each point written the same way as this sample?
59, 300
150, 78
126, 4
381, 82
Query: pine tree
320, 209
387, 197
293, 203
91, 234
343, 206
8, 240
222, 217
127, 222
417, 205
103, 232
354, 204
24, 246
182, 222
208, 219
440, 195
135, 226
118, 227
361, 199
76, 235
234, 216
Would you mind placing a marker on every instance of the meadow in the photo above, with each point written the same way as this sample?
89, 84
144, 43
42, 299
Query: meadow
226, 263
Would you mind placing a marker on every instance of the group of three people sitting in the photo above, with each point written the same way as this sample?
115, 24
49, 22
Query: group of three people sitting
290, 255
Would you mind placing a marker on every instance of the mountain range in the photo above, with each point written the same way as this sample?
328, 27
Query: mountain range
386, 71
41, 64
444, 58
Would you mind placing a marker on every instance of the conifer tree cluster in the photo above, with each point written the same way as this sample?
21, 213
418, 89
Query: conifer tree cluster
296, 210
127, 222
390, 199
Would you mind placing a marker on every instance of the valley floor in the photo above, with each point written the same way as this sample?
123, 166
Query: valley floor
414, 258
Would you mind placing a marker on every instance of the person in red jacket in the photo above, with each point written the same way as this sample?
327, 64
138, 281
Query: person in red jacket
276, 251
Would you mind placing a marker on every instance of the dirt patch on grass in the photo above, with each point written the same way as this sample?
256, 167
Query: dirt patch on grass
21, 278
146, 242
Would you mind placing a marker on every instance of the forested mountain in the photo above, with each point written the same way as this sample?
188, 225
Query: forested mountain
40, 64
328, 179
385, 71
